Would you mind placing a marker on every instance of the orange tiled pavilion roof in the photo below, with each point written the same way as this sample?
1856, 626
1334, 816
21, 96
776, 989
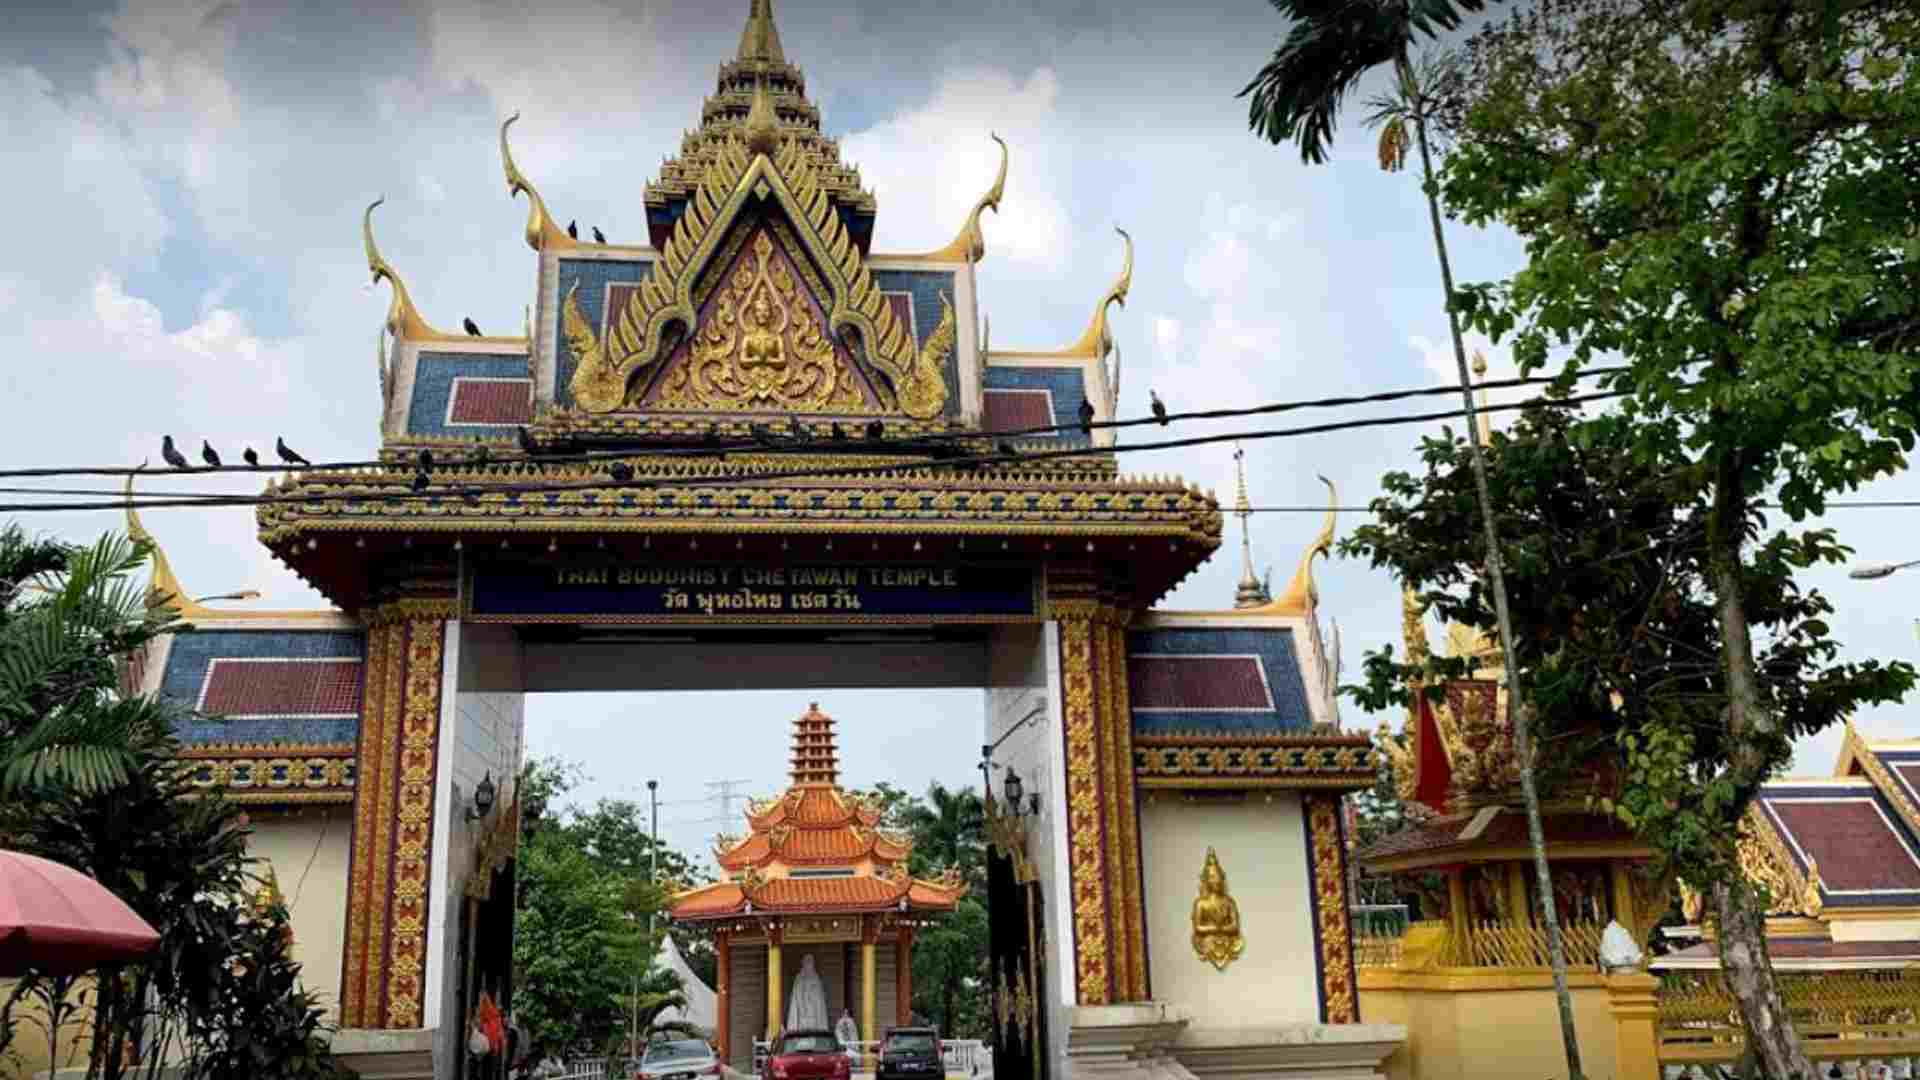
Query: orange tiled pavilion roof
815, 849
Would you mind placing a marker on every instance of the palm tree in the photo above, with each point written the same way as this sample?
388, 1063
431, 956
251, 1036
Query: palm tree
950, 829
1296, 97
69, 618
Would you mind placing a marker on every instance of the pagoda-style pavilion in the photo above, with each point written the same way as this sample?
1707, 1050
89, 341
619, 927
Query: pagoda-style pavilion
817, 876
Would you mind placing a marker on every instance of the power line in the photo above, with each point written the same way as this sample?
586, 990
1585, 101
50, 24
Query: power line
815, 444
724, 795
827, 473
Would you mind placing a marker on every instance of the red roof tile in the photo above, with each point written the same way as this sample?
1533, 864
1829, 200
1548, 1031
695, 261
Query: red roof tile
1507, 830
1851, 840
491, 401
1197, 682
282, 688
1015, 410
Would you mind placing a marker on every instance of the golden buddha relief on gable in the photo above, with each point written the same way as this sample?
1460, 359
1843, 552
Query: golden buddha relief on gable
761, 346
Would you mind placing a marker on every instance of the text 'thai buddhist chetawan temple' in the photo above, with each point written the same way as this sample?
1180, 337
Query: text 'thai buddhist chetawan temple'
748, 450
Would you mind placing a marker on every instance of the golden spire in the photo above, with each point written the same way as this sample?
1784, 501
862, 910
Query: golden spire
970, 244
541, 231
763, 126
761, 39
163, 588
1096, 340
1413, 627
1301, 596
403, 319
1251, 593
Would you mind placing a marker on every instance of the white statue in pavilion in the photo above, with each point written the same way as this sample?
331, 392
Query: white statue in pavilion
807, 1009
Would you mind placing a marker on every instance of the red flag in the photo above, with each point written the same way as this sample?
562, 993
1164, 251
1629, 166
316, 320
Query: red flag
1432, 772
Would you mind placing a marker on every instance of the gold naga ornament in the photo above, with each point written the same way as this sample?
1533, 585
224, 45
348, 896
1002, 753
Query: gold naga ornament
1216, 918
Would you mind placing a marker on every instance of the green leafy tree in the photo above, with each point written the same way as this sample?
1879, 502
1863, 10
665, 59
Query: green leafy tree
575, 950
949, 830
950, 977
1721, 195
1296, 97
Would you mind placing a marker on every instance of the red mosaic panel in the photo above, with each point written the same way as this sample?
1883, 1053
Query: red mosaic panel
1016, 410
1180, 683
282, 688
492, 401
1854, 846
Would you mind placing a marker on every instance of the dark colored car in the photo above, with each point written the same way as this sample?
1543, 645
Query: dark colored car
910, 1054
808, 1055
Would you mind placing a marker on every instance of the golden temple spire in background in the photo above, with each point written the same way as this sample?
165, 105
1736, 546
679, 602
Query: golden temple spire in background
1096, 339
1251, 592
761, 39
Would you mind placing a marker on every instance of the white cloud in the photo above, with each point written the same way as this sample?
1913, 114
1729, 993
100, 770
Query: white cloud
929, 165
1166, 338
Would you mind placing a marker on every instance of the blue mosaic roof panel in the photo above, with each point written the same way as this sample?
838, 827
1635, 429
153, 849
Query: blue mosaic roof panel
194, 652
1068, 386
1271, 648
433, 389
593, 276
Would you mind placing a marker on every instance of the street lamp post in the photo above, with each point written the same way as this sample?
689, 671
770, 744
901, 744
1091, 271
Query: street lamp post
653, 878
1879, 570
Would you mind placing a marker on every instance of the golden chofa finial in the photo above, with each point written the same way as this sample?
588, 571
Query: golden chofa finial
542, 233
1300, 595
763, 125
163, 588
1096, 340
970, 244
403, 319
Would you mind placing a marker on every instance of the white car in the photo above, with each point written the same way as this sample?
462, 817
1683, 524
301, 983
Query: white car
678, 1059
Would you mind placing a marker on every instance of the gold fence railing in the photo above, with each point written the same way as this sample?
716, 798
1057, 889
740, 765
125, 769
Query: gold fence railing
1847, 1014
1438, 944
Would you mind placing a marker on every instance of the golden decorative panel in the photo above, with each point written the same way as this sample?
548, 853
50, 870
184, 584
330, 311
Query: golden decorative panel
1087, 854
1338, 1003
761, 345
1216, 918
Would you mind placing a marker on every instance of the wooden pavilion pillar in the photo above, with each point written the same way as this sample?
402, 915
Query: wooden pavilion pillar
1103, 822
723, 979
903, 978
384, 970
775, 975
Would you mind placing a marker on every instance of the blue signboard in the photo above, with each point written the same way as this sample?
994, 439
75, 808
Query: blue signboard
612, 590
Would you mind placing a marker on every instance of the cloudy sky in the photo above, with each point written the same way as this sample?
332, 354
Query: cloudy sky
184, 183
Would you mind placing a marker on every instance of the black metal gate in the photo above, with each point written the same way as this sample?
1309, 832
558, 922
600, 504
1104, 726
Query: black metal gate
1017, 952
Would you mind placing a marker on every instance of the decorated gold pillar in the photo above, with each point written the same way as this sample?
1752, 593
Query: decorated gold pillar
775, 977
383, 973
1620, 874
1103, 825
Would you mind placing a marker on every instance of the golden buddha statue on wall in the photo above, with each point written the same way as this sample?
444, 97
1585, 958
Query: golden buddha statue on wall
1216, 918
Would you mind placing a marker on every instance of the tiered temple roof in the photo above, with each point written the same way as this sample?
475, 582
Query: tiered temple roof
815, 849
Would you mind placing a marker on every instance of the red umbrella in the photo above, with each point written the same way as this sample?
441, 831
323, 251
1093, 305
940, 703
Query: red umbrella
58, 920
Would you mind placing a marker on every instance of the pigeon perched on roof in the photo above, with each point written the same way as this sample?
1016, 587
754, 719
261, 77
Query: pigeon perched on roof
598, 236
527, 445
473, 328
573, 230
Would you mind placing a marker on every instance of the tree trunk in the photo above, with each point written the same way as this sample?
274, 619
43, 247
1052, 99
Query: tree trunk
1750, 726
1519, 712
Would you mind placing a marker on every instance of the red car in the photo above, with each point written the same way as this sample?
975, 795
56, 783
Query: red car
808, 1055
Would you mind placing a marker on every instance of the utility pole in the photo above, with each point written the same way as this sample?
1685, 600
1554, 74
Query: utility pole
653, 878
723, 794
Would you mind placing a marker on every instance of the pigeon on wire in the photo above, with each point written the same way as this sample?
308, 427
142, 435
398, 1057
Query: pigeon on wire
1086, 417
1006, 449
527, 445
876, 430
839, 433
712, 436
573, 230
1159, 408
473, 328
480, 456
760, 434
598, 236
172, 453
250, 457
621, 472
420, 481
207, 455
287, 453
426, 459
798, 431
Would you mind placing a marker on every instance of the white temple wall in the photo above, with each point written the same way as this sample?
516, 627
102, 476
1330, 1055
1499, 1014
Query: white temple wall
310, 849
1261, 843
1024, 680
482, 717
